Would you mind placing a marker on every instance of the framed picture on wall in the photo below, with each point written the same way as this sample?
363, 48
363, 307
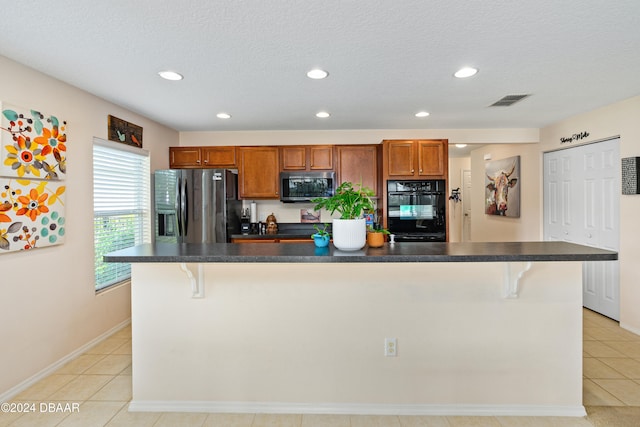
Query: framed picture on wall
502, 187
125, 132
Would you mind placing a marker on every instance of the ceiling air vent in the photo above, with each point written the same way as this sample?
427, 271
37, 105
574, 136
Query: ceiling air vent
508, 100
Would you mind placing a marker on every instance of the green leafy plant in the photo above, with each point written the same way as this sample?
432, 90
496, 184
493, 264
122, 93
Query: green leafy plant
348, 201
321, 232
378, 229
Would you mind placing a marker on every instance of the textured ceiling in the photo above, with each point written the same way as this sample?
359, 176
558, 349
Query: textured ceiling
386, 59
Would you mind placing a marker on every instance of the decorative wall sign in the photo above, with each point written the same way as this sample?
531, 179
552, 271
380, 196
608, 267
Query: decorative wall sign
32, 144
122, 131
631, 175
502, 190
31, 213
575, 137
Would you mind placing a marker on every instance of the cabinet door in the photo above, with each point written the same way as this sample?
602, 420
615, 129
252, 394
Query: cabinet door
400, 158
184, 157
258, 172
223, 157
321, 157
358, 163
431, 158
293, 158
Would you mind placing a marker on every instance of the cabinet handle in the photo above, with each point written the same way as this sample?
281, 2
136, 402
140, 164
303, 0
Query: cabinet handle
412, 170
206, 161
420, 170
197, 161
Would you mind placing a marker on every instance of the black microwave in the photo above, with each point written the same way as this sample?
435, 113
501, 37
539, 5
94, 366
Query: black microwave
298, 187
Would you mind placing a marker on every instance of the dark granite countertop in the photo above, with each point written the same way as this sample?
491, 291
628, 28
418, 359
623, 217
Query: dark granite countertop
398, 252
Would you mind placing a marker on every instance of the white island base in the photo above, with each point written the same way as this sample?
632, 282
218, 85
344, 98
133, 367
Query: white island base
309, 338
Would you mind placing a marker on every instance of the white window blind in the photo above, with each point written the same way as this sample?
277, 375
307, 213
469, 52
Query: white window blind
121, 206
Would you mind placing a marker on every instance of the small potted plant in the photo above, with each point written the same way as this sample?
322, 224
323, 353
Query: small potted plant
376, 236
321, 237
350, 230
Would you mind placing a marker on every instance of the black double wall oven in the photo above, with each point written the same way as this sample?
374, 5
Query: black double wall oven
416, 210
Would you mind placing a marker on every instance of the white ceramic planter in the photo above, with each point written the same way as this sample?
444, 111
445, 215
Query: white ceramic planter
349, 234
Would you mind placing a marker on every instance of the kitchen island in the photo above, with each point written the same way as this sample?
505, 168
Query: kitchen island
480, 328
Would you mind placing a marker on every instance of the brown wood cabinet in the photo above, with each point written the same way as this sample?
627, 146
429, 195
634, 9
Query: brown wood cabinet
258, 172
306, 157
358, 163
219, 157
202, 157
415, 159
185, 157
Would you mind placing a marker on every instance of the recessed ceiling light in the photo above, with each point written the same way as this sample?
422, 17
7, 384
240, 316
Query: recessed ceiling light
322, 114
223, 116
461, 145
170, 75
465, 72
317, 74
422, 114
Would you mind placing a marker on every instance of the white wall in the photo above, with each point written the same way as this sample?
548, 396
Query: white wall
493, 228
312, 339
48, 306
621, 119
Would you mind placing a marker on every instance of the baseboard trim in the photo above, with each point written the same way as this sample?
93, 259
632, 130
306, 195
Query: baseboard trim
356, 408
13, 391
630, 328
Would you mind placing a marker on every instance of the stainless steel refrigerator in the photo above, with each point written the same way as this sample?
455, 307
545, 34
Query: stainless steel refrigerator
196, 205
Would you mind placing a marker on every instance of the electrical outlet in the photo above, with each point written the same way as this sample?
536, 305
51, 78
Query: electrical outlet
390, 347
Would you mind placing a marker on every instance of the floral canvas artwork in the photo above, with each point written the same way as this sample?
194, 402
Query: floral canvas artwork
31, 214
33, 144
33, 165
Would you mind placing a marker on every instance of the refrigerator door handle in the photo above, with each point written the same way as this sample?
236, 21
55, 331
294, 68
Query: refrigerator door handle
179, 205
185, 207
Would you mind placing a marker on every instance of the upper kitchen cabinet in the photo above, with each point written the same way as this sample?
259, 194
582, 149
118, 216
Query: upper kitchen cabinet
202, 157
306, 158
185, 157
415, 159
356, 164
258, 172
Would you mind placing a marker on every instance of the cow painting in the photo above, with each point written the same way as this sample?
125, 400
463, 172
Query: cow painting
502, 190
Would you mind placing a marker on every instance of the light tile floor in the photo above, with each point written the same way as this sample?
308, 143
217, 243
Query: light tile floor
100, 382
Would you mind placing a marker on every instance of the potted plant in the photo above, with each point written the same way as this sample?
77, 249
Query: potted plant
321, 237
350, 230
375, 236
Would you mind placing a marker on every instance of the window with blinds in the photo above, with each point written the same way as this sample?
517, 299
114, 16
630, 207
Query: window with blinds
121, 206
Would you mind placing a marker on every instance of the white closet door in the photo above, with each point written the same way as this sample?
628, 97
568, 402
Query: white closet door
581, 205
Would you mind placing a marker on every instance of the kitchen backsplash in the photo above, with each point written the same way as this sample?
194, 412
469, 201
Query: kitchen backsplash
285, 212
